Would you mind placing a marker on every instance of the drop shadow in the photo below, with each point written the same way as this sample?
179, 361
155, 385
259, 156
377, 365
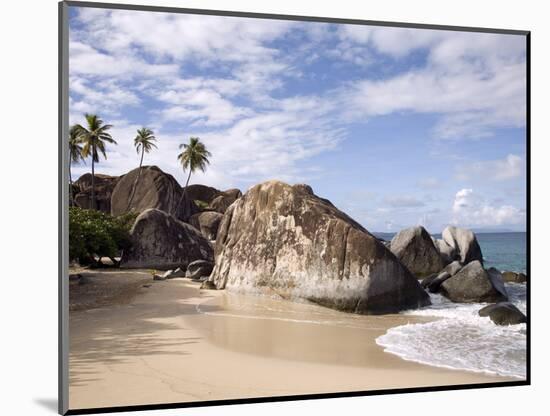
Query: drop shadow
49, 404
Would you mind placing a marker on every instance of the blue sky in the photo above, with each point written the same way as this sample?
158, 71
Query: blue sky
397, 127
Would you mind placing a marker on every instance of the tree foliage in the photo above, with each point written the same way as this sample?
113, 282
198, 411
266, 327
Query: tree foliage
95, 234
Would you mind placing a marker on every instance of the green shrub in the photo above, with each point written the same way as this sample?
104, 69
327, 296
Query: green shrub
96, 234
201, 204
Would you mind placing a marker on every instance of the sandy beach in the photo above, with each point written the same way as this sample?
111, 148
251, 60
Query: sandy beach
171, 342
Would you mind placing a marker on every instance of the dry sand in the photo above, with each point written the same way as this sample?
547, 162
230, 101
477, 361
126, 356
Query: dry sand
172, 342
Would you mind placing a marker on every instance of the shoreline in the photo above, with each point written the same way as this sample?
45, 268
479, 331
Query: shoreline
172, 342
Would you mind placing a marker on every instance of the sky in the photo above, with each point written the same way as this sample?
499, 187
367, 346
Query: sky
397, 127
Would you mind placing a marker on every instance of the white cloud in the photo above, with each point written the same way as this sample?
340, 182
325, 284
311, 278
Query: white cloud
201, 106
471, 210
86, 60
512, 166
476, 82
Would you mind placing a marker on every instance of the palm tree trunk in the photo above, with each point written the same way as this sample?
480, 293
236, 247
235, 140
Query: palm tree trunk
93, 179
136, 181
184, 193
71, 196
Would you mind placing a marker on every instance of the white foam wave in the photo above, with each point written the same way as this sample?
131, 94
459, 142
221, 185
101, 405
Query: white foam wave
461, 339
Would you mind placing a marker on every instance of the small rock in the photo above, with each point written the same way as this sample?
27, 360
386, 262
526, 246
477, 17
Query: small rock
147, 285
438, 281
208, 285
73, 277
83, 280
198, 269
503, 313
428, 280
179, 272
513, 277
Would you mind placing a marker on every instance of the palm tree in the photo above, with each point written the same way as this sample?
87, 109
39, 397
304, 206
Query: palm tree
194, 156
94, 137
144, 143
75, 155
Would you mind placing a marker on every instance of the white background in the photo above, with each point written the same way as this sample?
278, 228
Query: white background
28, 236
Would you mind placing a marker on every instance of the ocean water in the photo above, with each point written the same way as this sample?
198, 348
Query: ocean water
459, 338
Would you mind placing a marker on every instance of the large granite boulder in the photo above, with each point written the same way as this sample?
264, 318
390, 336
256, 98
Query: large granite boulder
474, 284
207, 223
221, 202
453, 268
202, 193
503, 313
464, 242
155, 189
447, 253
416, 250
160, 241
284, 240
104, 186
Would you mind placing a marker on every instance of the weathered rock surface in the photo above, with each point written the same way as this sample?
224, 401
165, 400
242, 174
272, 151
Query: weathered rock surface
286, 239
503, 313
415, 249
104, 186
513, 277
464, 242
202, 193
221, 202
207, 223
156, 189
434, 285
474, 284
160, 241
199, 269
448, 254
453, 268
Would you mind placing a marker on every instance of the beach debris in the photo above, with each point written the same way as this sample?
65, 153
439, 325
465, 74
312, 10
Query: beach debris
161, 241
415, 248
503, 313
286, 238
474, 284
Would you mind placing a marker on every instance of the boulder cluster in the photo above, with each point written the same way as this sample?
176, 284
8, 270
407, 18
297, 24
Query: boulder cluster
284, 240
453, 266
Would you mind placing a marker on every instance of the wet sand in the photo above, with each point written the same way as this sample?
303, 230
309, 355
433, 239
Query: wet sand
175, 343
